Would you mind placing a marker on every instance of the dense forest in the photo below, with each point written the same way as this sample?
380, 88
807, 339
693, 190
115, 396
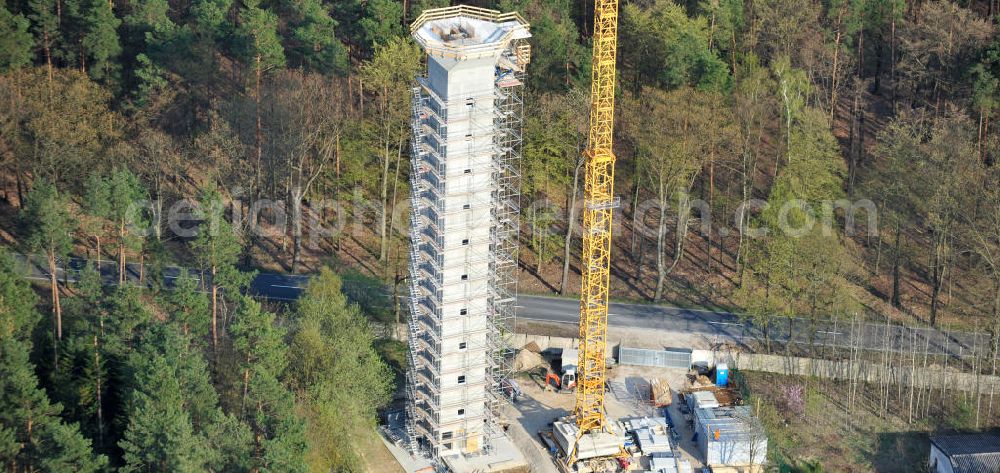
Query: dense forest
789, 157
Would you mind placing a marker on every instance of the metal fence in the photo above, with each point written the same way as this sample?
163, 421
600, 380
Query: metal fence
668, 358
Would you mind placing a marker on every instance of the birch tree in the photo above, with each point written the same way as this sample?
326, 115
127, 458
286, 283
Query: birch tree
309, 115
387, 76
672, 139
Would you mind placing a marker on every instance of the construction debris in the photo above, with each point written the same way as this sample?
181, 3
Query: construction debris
724, 396
659, 392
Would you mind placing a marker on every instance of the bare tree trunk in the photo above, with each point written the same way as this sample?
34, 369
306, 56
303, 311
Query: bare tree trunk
56, 306
995, 326
383, 198
635, 216
710, 241
392, 201
46, 41
20, 185
661, 270
570, 222
913, 373
896, 300
833, 75
97, 393
856, 139
296, 201
121, 253
979, 136
892, 55
683, 219
936, 281
215, 309
258, 134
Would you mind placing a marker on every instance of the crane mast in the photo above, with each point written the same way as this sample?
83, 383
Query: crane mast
599, 203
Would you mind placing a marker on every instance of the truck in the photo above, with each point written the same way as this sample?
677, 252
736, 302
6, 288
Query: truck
569, 363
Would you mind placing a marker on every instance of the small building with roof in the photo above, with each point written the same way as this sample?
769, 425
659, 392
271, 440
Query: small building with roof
730, 436
965, 453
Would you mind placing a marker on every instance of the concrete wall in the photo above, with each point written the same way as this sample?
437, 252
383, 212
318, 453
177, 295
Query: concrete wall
781, 364
797, 366
863, 371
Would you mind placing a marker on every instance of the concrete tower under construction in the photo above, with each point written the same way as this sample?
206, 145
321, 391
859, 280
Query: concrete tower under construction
467, 113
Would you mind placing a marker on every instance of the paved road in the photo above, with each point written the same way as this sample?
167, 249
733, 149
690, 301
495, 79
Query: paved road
716, 324
726, 325
273, 286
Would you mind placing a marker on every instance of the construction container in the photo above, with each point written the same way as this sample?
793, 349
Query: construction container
589, 445
701, 400
730, 436
667, 462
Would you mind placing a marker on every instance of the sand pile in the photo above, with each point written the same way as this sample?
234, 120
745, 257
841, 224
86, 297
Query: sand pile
526, 360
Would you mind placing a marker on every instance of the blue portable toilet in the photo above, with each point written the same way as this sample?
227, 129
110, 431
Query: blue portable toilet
721, 374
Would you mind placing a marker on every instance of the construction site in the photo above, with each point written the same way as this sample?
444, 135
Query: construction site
475, 402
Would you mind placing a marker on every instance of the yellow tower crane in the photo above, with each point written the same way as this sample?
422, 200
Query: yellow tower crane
599, 203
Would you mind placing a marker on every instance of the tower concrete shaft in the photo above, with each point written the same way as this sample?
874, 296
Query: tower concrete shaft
467, 113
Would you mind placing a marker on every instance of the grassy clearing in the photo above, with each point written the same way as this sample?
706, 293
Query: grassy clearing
375, 457
820, 427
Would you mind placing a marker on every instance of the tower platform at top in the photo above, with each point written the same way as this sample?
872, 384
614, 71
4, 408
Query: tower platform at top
465, 32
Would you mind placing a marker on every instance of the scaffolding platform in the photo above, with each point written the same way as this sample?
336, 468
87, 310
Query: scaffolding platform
467, 113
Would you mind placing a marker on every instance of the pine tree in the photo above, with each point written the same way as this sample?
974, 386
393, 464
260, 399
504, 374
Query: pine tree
125, 193
261, 50
97, 207
316, 46
16, 43
40, 438
382, 21
44, 16
127, 318
218, 248
188, 307
101, 39
50, 225
209, 17
18, 315
268, 406
156, 40
167, 382
62, 448
160, 437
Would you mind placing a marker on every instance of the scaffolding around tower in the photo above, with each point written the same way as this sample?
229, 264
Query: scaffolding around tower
466, 125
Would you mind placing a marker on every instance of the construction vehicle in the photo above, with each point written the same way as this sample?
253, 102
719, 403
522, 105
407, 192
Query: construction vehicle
599, 204
570, 360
